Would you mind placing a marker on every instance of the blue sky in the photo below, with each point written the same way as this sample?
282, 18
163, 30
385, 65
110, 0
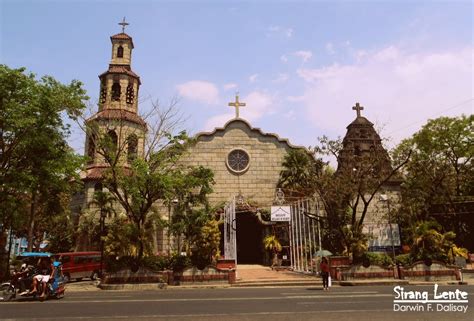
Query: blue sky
299, 66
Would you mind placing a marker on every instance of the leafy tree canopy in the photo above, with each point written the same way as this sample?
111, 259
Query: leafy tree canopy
35, 160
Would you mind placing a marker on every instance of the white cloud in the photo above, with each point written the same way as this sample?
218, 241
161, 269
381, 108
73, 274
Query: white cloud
397, 88
258, 104
229, 86
330, 48
253, 78
218, 121
284, 58
282, 77
305, 55
200, 91
295, 99
280, 31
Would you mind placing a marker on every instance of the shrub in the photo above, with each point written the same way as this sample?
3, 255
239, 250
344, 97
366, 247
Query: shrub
179, 262
404, 259
376, 258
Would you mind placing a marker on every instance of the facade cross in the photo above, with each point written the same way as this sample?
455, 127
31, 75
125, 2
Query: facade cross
237, 104
358, 108
123, 24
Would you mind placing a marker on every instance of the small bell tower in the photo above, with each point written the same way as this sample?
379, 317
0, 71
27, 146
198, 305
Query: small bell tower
117, 114
119, 85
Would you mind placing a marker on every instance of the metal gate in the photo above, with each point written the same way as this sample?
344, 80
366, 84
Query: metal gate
305, 234
230, 239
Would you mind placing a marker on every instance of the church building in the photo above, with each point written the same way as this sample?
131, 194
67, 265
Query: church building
245, 160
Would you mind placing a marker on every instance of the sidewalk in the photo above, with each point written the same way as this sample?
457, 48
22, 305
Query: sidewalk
256, 276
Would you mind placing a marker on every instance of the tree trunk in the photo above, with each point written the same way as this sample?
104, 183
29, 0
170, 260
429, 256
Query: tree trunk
31, 222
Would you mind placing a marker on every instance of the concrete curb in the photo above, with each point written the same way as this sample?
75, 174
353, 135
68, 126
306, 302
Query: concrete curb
164, 286
374, 282
134, 287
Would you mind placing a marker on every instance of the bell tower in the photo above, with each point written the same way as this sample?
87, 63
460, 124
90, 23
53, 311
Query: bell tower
117, 117
119, 84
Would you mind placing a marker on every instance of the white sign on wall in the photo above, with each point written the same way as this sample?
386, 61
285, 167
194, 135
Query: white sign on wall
280, 213
380, 234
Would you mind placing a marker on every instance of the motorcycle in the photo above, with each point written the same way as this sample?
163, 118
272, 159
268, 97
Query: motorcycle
55, 286
19, 282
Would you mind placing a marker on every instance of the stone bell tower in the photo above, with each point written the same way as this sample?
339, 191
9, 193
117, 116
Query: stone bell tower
117, 115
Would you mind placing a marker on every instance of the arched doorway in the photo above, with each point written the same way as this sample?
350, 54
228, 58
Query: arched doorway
249, 239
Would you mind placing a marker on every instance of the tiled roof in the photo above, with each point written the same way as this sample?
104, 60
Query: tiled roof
119, 114
96, 172
122, 36
120, 69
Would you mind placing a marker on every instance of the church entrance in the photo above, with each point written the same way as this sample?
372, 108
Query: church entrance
249, 239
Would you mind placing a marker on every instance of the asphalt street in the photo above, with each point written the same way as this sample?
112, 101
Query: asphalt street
277, 303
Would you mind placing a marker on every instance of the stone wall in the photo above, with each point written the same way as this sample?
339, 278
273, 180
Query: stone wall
437, 271
361, 272
208, 275
258, 183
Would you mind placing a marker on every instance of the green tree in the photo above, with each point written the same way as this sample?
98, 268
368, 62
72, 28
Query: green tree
271, 243
347, 193
35, 160
160, 177
300, 170
429, 242
439, 178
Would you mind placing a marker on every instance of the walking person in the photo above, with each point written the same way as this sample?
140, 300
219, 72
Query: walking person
324, 267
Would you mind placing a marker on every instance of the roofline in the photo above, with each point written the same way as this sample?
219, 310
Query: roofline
254, 129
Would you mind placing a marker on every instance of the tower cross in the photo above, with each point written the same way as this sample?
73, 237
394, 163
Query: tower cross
237, 104
123, 24
358, 108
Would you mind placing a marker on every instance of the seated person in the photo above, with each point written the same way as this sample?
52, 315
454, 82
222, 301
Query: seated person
25, 278
46, 271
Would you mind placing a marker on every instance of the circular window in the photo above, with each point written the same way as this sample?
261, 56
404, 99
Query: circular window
238, 160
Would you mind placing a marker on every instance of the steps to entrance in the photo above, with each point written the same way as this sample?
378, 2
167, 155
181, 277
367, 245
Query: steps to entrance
258, 275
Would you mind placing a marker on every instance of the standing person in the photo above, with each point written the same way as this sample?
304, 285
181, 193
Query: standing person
324, 267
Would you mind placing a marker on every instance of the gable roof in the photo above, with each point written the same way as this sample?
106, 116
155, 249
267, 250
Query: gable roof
253, 129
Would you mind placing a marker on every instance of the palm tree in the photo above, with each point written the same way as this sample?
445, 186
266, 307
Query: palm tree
104, 202
271, 243
430, 242
300, 170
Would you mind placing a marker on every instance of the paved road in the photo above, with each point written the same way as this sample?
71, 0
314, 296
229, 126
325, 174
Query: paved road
300, 303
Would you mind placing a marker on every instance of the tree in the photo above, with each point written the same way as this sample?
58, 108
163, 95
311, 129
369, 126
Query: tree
35, 160
271, 243
439, 178
300, 170
345, 193
155, 176
429, 242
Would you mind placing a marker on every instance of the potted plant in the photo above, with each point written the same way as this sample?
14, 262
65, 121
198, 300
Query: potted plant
271, 243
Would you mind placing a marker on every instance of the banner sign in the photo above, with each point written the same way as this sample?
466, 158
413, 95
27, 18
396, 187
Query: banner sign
280, 214
379, 234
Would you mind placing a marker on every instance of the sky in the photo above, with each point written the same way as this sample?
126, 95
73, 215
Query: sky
299, 66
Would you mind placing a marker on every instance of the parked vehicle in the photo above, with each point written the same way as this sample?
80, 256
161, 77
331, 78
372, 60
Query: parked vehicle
21, 280
79, 265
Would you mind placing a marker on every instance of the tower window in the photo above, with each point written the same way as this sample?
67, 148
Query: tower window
130, 95
116, 91
98, 187
103, 92
357, 151
120, 52
111, 144
132, 142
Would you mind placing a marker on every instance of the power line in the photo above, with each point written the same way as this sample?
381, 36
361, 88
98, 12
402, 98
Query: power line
437, 114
